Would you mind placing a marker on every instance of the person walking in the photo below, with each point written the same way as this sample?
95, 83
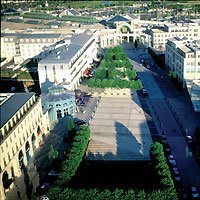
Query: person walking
18, 194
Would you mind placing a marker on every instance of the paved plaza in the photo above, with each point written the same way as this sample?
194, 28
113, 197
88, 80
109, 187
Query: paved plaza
119, 130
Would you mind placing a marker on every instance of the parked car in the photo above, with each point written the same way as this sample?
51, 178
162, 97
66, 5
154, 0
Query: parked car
171, 157
148, 67
194, 193
189, 138
172, 162
79, 122
53, 173
43, 197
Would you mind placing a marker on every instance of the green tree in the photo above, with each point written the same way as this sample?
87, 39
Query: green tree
53, 153
70, 124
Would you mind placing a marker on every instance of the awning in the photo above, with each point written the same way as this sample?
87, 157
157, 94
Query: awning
86, 72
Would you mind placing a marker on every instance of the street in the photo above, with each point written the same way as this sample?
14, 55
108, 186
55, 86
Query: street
173, 113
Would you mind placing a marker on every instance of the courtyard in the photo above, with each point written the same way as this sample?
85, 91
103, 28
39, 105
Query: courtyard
119, 130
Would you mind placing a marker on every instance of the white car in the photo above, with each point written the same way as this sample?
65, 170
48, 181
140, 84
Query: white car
194, 192
171, 157
43, 198
53, 173
177, 178
176, 172
189, 138
172, 162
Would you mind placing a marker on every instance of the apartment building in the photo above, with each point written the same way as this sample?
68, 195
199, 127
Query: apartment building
19, 46
183, 57
159, 35
67, 63
23, 126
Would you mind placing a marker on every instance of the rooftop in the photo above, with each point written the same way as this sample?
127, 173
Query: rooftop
29, 36
11, 104
66, 52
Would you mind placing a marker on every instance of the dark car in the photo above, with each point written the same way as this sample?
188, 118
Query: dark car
79, 122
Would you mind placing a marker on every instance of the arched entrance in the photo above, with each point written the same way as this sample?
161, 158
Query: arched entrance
33, 140
21, 159
6, 181
27, 147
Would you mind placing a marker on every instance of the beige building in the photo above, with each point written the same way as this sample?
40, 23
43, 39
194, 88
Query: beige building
183, 58
20, 46
159, 35
68, 63
23, 128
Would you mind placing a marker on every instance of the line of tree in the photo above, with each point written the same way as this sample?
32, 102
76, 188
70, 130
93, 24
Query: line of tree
159, 59
110, 76
75, 155
116, 194
115, 83
160, 165
60, 191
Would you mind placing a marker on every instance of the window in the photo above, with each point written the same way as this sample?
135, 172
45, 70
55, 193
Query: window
58, 105
61, 66
59, 114
51, 106
65, 112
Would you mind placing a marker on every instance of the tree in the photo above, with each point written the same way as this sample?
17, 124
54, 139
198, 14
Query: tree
70, 124
53, 153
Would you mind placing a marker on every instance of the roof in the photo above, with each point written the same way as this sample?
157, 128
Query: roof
12, 105
10, 11
58, 97
118, 18
74, 12
66, 53
38, 35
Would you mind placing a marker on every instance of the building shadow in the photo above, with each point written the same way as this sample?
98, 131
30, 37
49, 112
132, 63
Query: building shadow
126, 167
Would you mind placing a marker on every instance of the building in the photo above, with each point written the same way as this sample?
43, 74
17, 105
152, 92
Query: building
69, 61
23, 127
24, 46
59, 103
160, 34
183, 58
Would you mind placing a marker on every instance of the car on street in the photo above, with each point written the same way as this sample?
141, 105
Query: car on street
172, 162
194, 193
148, 66
53, 173
79, 122
189, 138
171, 157
43, 197
176, 172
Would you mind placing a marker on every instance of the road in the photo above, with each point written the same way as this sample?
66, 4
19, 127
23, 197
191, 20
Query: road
172, 114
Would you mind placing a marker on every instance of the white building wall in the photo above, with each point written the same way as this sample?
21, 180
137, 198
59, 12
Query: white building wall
19, 136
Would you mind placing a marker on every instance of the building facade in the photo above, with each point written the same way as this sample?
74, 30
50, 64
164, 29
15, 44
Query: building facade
159, 35
69, 61
24, 46
23, 128
183, 58
59, 103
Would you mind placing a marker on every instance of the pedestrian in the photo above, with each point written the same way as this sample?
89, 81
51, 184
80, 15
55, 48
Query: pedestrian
18, 194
